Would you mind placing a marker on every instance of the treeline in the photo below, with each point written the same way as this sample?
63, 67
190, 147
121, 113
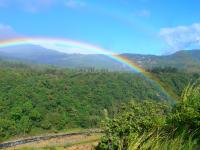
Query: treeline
163, 70
39, 99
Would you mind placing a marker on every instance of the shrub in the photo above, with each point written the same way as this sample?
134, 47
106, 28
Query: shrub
135, 119
151, 125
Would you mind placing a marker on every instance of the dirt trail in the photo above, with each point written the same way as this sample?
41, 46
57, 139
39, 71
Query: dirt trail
57, 140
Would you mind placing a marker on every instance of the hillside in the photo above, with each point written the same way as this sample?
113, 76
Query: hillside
39, 99
38, 55
185, 60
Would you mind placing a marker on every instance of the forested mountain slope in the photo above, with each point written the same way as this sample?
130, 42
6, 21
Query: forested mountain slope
186, 59
39, 55
38, 98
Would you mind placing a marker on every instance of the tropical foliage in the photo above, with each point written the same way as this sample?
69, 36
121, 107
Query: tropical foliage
35, 99
149, 125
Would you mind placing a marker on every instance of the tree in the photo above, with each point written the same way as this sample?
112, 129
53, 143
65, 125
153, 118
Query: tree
25, 124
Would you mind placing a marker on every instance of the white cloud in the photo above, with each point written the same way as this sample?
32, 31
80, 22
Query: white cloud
75, 3
6, 32
181, 37
66, 47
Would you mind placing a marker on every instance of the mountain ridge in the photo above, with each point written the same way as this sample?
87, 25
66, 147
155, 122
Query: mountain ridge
184, 59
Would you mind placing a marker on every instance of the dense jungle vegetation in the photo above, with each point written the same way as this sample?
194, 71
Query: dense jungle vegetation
35, 99
154, 125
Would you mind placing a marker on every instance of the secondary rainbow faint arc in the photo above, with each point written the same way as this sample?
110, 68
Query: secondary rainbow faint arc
76, 44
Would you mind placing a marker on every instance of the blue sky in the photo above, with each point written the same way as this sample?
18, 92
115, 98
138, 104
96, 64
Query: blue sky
122, 26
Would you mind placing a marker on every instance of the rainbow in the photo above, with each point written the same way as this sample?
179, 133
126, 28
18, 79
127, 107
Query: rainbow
67, 43
76, 45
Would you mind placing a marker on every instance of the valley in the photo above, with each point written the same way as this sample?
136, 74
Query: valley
38, 99
99, 75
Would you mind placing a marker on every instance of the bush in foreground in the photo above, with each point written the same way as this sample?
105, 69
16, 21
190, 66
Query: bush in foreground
151, 125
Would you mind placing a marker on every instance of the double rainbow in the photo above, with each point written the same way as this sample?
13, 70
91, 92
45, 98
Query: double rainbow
87, 47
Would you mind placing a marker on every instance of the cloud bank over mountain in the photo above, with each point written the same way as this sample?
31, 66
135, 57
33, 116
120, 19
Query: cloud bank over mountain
181, 37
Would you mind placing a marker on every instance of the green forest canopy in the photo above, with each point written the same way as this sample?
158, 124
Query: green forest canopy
40, 98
